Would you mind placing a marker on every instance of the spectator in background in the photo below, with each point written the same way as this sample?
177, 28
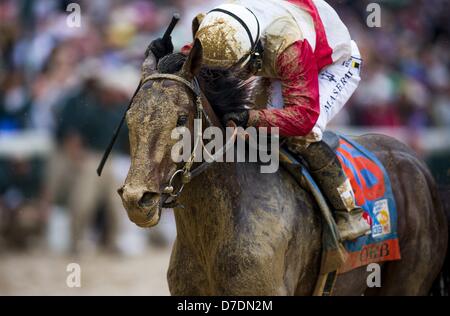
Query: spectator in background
85, 126
15, 103
22, 218
405, 68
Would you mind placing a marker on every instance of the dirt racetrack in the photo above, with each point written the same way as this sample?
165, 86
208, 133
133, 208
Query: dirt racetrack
42, 273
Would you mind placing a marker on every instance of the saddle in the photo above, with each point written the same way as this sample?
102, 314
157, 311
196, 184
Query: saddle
373, 192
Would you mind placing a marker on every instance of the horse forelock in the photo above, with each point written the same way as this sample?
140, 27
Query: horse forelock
224, 91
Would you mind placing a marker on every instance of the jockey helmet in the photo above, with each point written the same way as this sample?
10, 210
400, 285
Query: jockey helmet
229, 35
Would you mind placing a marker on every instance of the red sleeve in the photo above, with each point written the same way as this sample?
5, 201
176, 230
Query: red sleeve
186, 49
297, 70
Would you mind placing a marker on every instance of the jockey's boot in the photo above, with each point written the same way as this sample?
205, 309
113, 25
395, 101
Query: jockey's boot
327, 171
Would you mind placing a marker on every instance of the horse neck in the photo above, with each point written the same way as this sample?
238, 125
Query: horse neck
209, 201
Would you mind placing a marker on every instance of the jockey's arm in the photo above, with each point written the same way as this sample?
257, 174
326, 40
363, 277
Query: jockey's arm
297, 70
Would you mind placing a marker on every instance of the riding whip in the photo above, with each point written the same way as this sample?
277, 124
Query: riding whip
166, 37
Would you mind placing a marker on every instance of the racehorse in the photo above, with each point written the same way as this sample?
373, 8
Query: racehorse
242, 232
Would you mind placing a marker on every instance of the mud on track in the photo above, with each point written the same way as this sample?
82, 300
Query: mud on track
45, 274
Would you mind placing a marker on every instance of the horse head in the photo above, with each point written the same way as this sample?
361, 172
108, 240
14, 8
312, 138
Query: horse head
159, 106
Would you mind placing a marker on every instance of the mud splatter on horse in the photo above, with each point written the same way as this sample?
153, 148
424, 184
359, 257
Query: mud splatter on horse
242, 232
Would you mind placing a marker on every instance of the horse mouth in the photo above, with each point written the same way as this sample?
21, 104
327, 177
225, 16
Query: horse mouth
153, 221
153, 215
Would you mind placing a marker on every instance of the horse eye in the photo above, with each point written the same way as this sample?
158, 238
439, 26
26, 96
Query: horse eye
182, 120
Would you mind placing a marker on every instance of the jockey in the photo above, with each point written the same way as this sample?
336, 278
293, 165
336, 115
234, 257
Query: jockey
306, 52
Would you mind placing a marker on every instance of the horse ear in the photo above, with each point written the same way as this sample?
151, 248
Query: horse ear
192, 66
196, 23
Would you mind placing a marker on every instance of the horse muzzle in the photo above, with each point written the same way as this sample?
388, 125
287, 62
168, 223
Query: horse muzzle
143, 207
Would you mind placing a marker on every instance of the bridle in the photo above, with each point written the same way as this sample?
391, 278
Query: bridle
170, 193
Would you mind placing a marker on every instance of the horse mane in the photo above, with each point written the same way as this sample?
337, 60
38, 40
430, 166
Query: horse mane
224, 91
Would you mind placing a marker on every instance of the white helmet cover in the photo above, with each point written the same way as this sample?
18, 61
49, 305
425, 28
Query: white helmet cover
228, 34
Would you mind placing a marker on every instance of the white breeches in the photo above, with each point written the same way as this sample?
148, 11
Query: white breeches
337, 83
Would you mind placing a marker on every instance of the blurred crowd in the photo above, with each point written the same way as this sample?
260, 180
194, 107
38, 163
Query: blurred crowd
406, 63
72, 84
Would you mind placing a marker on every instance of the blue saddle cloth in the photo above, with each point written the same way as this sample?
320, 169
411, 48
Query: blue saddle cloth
373, 192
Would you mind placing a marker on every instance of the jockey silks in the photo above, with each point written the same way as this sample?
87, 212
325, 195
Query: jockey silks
303, 40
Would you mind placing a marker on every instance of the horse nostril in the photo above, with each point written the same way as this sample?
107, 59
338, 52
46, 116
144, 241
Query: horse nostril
148, 199
120, 191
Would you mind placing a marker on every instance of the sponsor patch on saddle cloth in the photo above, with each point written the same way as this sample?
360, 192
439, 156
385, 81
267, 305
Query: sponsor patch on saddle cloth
373, 192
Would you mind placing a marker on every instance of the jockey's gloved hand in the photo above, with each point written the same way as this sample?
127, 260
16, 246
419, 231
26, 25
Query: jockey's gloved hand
240, 118
160, 48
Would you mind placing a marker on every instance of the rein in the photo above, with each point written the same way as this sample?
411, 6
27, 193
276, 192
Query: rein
169, 192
